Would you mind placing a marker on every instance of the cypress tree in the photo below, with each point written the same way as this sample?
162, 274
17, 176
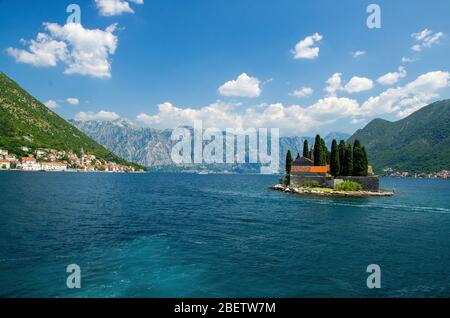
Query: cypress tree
366, 161
318, 151
342, 157
358, 159
348, 163
305, 149
325, 153
335, 165
288, 162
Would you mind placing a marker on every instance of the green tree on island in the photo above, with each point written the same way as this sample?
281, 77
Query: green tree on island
344, 160
326, 153
359, 160
342, 147
320, 152
289, 161
305, 149
348, 162
335, 166
366, 161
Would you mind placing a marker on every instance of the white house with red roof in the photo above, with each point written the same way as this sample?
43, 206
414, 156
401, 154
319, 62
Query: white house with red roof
54, 166
5, 164
30, 164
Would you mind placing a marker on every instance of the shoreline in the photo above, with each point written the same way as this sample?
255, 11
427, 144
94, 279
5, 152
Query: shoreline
71, 171
332, 193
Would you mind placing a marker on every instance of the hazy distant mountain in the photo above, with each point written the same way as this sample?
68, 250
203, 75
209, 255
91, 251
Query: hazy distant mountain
152, 147
419, 142
147, 146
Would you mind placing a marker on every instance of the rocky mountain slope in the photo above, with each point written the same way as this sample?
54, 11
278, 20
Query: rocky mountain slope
417, 143
26, 122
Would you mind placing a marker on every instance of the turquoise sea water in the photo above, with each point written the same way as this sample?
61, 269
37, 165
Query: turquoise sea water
181, 235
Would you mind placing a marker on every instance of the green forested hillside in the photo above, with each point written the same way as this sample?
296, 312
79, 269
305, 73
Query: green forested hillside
417, 143
24, 121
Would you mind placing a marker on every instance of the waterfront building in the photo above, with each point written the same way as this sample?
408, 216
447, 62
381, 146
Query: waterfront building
30, 164
54, 166
5, 164
305, 166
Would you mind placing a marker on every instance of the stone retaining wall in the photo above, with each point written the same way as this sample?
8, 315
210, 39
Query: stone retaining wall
299, 180
369, 183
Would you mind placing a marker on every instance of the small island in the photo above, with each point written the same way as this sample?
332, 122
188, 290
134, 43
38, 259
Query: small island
342, 172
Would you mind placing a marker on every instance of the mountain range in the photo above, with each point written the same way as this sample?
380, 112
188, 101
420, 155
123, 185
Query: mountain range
417, 143
152, 148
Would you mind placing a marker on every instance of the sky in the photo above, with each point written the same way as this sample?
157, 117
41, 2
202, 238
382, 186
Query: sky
305, 67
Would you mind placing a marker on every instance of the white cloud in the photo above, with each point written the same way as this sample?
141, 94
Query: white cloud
290, 119
218, 114
392, 77
358, 84
420, 36
406, 59
405, 99
243, 86
305, 49
334, 107
355, 85
100, 116
426, 38
302, 92
334, 83
294, 119
83, 51
356, 121
115, 7
428, 42
90, 49
44, 51
358, 53
51, 103
73, 101
416, 48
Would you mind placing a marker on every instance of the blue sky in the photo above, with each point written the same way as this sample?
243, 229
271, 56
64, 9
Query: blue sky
167, 60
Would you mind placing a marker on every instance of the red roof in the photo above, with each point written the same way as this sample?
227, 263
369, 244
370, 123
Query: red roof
311, 169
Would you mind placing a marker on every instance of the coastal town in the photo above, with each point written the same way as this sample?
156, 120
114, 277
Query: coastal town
43, 159
443, 174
